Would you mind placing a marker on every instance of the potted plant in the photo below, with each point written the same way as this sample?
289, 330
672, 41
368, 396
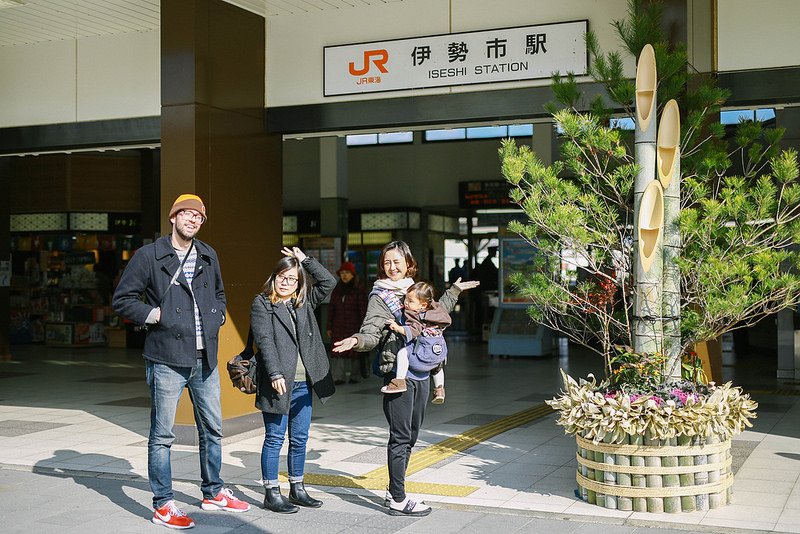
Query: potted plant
644, 429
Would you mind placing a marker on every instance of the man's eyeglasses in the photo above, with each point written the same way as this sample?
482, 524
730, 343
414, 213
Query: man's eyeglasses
193, 216
289, 280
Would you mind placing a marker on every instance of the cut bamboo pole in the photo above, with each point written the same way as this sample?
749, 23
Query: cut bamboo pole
600, 476
638, 479
671, 504
591, 496
647, 329
668, 164
688, 502
654, 504
715, 500
728, 472
701, 477
584, 470
646, 81
610, 477
624, 479
651, 225
669, 136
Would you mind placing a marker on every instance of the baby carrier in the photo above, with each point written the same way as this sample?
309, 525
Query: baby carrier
429, 348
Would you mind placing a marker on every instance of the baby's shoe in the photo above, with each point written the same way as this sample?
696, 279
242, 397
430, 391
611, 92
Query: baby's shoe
397, 385
438, 395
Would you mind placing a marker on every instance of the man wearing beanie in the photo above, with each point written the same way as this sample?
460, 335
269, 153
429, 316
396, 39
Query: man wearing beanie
182, 310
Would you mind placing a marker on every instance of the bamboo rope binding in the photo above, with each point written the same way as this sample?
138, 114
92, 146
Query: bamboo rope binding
664, 450
707, 465
646, 470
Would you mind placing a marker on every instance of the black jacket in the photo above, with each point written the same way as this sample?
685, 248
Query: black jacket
172, 340
278, 345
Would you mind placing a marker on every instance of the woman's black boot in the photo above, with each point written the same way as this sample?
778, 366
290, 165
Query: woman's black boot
298, 495
276, 502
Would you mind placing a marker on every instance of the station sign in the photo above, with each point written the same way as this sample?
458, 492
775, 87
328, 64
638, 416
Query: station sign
501, 55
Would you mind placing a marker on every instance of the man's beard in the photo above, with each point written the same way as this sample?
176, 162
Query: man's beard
182, 234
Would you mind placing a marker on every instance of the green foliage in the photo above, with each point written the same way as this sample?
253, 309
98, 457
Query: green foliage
634, 372
737, 262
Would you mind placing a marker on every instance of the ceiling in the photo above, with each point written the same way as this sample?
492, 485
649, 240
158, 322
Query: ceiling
34, 21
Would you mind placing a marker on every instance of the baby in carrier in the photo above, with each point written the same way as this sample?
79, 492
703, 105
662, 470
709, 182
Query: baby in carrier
425, 349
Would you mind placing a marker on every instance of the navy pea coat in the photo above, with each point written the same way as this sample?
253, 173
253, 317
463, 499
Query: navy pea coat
172, 341
278, 344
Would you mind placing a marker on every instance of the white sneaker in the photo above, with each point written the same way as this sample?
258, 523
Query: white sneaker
409, 507
387, 499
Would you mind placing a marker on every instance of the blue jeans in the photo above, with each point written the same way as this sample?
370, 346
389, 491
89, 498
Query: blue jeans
298, 421
166, 385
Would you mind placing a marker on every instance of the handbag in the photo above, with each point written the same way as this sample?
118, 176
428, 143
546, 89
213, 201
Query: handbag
242, 368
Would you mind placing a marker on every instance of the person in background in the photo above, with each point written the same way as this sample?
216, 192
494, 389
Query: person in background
456, 273
291, 362
345, 313
183, 310
486, 273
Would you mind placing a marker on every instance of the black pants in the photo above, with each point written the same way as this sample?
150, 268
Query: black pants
404, 412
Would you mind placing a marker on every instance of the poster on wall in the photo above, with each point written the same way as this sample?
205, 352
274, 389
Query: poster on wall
499, 55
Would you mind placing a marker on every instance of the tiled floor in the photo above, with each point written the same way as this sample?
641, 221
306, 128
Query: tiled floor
88, 410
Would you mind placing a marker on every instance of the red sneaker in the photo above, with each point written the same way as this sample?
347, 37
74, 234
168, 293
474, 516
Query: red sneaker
225, 501
171, 516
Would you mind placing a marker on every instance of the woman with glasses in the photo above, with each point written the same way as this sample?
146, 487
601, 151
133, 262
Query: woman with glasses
291, 362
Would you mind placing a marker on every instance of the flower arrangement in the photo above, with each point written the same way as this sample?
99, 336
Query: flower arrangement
640, 398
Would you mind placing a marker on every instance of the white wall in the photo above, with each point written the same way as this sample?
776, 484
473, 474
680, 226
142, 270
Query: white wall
118, 76
295, 44
757, 35
129, 85
37, 83
94, 78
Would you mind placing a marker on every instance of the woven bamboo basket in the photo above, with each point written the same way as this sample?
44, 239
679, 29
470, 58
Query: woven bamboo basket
642, 474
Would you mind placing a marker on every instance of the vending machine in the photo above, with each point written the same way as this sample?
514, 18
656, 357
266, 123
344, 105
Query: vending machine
513, 332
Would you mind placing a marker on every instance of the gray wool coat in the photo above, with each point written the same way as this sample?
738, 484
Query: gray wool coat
278, 345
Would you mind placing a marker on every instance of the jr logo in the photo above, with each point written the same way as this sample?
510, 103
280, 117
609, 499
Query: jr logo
379, 57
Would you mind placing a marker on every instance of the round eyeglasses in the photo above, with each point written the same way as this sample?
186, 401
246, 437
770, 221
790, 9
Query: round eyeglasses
288, 280
195, 216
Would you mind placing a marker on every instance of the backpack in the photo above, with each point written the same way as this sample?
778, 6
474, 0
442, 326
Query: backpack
429, 350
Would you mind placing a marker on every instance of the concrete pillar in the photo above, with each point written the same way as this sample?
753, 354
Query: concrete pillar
333, 188
5, 255
213, 144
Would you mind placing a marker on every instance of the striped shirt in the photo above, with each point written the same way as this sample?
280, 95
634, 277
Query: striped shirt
188, 272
